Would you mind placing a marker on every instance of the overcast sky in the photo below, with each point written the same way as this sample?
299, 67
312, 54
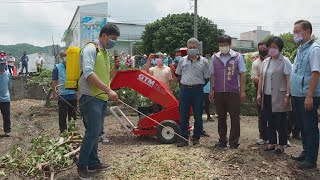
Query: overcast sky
23, 21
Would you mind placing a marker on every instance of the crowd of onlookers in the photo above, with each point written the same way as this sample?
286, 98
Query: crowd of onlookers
12, 65
288, 94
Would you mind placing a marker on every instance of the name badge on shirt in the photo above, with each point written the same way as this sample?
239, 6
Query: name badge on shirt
231, 62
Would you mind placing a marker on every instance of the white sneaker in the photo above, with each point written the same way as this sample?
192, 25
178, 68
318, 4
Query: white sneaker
104, 140
261, 142
288, 143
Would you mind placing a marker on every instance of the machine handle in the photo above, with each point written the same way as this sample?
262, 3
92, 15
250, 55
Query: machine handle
114, 111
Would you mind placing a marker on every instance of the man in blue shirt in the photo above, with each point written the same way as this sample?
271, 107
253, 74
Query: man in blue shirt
5, 98
67, 97
305, 90
143, 60
24, 62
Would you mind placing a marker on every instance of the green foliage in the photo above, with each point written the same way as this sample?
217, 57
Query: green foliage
176, 89
250, 89
138, 48
173, 31
43, 79
133, 98
268, 37
49, 153
290, 47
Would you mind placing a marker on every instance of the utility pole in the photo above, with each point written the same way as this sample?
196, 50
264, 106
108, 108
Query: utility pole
195, 26
56, 60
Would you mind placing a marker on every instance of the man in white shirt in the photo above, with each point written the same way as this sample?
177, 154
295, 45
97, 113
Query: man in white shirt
39, 63
11, 61
256, 69
161, 72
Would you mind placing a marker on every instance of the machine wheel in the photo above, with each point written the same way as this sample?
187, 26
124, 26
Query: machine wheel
166, 135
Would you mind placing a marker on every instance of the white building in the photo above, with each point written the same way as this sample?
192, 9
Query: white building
235, 43
242, 45
87, 22
256, 35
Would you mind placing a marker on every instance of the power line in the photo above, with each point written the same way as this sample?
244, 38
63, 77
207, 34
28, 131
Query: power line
39, 2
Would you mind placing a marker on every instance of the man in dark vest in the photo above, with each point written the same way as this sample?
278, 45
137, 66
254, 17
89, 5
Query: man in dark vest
227, 67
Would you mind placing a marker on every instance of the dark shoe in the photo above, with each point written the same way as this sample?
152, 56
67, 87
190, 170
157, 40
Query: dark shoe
301, 157
99, 167
195, 141
83, 174
7, 134
210, 119
297, 136
220, 145
269, 149
307, 165
278, 151
182, 143
205, 134
234, 146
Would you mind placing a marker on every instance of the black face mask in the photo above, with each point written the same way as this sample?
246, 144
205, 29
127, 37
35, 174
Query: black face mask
263, 53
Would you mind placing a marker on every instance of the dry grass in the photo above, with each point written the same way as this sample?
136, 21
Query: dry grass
136, 158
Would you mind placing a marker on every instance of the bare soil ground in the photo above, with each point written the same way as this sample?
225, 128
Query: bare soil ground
144, 158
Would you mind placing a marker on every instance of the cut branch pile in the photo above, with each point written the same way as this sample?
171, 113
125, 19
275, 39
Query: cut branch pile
46, 156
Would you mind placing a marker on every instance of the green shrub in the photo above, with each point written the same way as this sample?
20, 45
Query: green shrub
250, 88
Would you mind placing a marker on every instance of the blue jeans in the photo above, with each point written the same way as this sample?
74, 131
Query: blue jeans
93, 112
308, 121
191, 97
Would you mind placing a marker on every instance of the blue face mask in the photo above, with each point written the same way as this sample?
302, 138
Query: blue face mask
193, 52
111, 44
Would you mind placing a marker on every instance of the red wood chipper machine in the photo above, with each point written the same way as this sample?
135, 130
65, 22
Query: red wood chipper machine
168, 116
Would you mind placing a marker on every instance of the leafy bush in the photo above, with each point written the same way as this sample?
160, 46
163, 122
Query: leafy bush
132, 98
43, 79
250, 88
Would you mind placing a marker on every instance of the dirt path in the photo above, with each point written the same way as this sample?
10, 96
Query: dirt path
145, 158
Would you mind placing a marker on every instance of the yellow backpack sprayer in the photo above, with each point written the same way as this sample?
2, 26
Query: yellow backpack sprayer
73, 68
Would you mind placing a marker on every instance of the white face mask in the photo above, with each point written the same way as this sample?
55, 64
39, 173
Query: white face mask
224, 49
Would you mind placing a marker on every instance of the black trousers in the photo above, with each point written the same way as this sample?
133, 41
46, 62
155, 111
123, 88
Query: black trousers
10, 70
66, 110
228, 102
5, 111
293, 125
24, 66
39, 68
262, 123
277, 123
